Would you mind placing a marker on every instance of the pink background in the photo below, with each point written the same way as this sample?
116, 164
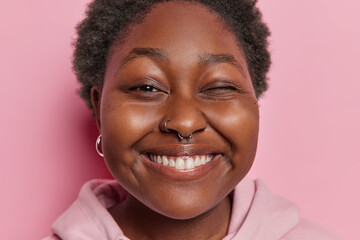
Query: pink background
309, 139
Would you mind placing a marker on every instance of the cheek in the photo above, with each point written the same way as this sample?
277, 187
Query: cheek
122, 126
238, 123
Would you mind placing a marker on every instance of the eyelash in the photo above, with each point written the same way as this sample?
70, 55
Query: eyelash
148, 89
144, 88
222, 88
226, 87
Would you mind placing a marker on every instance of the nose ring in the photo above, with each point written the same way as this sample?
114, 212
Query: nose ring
181, 137
166, 130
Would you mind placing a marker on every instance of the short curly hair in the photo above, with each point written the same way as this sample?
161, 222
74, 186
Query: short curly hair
108, 21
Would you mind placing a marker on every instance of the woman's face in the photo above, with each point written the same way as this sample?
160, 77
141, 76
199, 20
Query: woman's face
183, 67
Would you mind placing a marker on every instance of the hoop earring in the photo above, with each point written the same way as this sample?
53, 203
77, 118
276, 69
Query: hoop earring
97, 146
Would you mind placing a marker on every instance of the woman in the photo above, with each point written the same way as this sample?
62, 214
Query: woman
174, 88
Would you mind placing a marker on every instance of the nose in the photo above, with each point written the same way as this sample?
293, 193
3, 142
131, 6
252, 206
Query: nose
183, 117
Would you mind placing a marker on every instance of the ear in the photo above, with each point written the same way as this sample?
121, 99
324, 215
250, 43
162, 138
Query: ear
96, 102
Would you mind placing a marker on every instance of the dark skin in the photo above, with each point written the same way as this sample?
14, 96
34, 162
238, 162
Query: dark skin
180, 64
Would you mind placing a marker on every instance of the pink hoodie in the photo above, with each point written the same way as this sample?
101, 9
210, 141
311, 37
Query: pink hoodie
257, 214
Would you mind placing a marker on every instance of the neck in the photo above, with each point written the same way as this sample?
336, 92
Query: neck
140, 222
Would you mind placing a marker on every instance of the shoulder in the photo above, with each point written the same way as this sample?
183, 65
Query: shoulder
306, 229
53, 237
87, 217
282, 216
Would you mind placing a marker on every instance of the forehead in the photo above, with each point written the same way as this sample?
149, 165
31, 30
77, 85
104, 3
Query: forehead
184, 30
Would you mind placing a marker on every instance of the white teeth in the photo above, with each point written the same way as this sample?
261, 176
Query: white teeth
189, 163
197, 161
180, 163
183, 162
165, 161
202, 160
172, 163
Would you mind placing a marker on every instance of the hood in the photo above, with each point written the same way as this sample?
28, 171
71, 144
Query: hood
256, 213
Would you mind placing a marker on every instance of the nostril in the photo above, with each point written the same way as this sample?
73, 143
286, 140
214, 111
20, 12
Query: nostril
184, 124
165, 126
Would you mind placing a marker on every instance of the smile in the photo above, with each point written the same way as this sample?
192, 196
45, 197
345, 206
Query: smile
181, 162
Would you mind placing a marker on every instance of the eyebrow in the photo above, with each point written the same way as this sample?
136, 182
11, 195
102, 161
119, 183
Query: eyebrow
160, 54
156, 53
221, 58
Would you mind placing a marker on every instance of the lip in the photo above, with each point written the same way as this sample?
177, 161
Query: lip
171, 173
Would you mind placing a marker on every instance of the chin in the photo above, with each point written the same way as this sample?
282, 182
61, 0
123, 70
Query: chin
186, 206
182, 211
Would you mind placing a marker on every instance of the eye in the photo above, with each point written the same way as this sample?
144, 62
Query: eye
144, 88
146, 92
222, 88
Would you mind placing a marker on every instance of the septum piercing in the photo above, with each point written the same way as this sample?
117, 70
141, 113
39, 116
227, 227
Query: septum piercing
179, 135
182, 137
